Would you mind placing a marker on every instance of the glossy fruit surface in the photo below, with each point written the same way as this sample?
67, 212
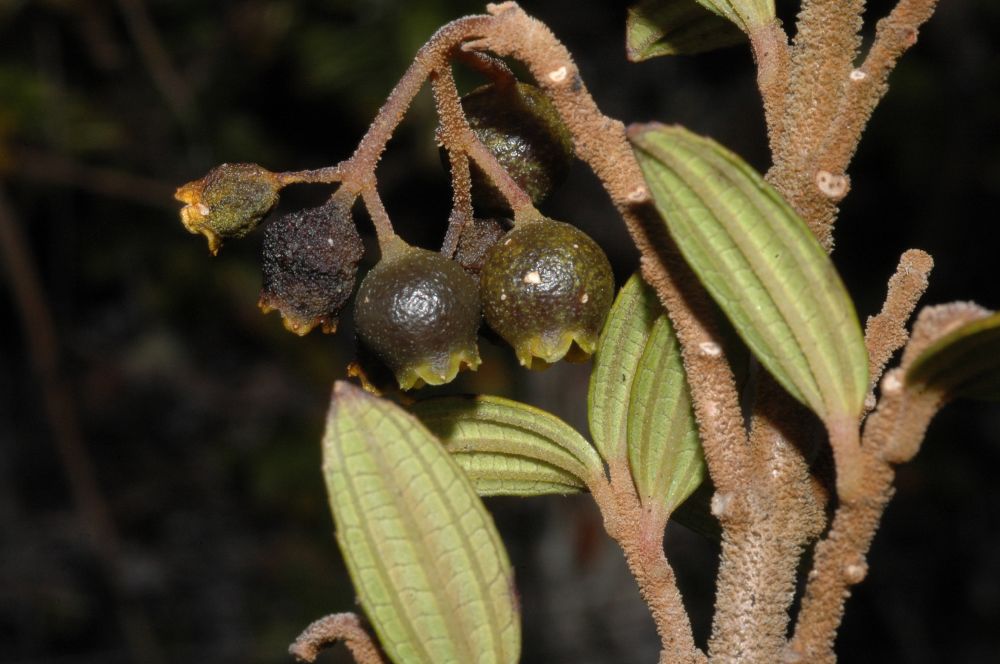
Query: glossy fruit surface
310, 260
522, 129
419, 313
547, 288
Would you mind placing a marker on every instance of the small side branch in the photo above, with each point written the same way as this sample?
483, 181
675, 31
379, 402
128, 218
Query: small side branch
458, 139
327, 631
886, 332
772, 55
639, 532
827, 39
894, 35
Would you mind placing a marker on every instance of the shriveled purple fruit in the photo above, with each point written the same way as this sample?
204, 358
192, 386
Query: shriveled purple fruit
310, 261
419, 313
547, 288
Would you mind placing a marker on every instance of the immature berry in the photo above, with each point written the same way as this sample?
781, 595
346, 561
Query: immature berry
419, 313
547, 288
228, 202
310, 259
522, 129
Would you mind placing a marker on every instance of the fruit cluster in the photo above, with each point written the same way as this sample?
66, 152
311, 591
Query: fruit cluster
544, 286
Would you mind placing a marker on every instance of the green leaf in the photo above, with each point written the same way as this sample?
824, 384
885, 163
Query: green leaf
511, 448
675, 27
423, 553
963, 363
663, 447
762, 266
639, 403
616, 362
747, 14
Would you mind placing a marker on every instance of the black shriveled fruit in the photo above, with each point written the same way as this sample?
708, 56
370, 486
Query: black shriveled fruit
310, 262
419, 313
476, 239
547, 288
228, 202
522, 129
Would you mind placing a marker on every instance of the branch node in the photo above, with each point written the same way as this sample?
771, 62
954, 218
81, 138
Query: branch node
856, 572
832, 185
558, 75
710, 349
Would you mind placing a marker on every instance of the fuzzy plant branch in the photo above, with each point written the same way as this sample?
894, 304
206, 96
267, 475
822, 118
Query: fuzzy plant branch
829, 101
327, 631
892, 435
449, 106
772, 55
752, 617
886, 332
639, 532
455, 132
894, 35
827, 39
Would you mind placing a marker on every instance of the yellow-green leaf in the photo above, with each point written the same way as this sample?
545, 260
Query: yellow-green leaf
616, 361
663, 447
655, 28
763, 267
747, 14
510, 448
963, 363
423, 553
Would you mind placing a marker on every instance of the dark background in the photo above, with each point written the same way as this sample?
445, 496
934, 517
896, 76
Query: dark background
200, 418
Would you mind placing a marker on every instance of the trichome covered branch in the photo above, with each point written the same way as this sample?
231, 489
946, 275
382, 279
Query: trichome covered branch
336, 627
639, 532
886, 332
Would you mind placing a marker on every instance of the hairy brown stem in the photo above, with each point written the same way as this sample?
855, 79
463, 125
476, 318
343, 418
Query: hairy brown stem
886, 332
639, 532
327, 631
867, 84
750, 626
380, 218
827, 38
769, 44
459, 139
840, 559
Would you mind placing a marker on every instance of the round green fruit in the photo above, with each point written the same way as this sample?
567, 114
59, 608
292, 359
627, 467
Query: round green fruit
419, 313
547, 288
522, 129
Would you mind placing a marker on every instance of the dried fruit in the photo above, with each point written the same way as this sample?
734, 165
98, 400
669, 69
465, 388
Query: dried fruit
310, 259
419, 313
547, 288
228, 202
525, 133
476, 239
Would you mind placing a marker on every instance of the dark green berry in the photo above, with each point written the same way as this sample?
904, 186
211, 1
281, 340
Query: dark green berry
547, 288
522, 129
310, 260
419, 313
228, 202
